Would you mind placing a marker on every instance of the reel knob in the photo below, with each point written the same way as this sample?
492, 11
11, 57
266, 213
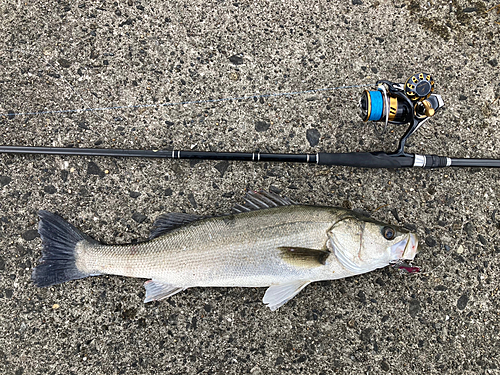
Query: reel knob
419, 87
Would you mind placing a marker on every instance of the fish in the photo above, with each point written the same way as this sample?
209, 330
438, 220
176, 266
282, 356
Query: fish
268, 241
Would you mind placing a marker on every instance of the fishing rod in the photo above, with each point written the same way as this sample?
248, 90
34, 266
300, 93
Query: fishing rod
412, 102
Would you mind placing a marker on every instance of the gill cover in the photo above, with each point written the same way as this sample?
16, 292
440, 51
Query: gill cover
364, 245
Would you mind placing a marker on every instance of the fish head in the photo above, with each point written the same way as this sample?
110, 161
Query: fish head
362, 244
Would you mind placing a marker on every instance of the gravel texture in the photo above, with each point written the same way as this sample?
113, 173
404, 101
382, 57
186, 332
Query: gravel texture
92, 54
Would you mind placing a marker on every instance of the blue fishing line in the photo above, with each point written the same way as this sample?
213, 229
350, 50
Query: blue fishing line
377, 105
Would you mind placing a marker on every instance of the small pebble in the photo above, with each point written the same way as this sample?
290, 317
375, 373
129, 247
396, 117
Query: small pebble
192, 200
414, 307
462, 301
262, 126
64, 63
385, 366
138, 218
55, 306
30, 235
313, 136
93, 169
50, 189
236, 59
482, 239
5, 180
222, 167
430, 241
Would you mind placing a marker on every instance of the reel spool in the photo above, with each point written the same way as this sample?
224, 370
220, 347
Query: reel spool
379, 106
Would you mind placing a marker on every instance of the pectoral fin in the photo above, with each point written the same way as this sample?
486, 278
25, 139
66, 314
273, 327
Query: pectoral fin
156, 291
277, 295
303, 257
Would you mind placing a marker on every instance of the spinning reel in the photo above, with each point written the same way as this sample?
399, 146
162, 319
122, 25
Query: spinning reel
410, 103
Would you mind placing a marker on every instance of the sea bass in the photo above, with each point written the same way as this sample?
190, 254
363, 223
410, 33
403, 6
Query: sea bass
269, 241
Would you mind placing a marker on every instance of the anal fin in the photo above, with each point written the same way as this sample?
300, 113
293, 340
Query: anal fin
156, 291
277, 295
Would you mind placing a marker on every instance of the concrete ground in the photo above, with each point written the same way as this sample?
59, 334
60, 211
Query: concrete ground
73, 55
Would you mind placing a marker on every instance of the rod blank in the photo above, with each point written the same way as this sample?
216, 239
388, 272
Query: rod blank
167, 154
483, 163
349, 159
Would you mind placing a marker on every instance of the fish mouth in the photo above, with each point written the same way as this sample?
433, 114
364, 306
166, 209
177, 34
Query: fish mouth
405, 249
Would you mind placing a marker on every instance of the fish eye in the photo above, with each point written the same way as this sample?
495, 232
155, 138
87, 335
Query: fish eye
388, 232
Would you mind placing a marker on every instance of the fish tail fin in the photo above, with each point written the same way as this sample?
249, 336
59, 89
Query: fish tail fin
58, 262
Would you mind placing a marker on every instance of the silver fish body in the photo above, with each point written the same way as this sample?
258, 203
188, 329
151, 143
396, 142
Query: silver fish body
271, 243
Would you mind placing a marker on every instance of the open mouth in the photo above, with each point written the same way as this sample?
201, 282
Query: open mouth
411, 247
405, 251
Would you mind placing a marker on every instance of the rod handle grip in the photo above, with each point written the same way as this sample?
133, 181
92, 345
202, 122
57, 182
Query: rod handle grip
365, 160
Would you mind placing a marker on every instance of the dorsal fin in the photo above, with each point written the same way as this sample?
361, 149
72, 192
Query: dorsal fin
261, 200
167, 222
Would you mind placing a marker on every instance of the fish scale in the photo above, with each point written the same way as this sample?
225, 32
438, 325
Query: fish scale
213, 253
